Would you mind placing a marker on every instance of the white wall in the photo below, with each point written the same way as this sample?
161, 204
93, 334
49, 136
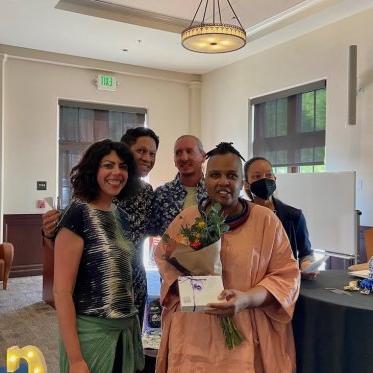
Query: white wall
320, 54
31, 92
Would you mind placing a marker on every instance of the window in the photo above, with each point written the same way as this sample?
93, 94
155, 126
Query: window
289, 128
82, 124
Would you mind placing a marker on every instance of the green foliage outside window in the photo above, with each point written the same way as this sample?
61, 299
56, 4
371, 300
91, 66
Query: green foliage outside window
290, 131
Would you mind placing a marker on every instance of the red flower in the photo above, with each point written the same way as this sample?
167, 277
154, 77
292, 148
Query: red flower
196, 245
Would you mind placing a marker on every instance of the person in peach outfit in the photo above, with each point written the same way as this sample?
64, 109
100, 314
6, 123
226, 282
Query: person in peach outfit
261, 281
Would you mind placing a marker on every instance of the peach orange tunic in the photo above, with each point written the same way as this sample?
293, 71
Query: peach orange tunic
255, 253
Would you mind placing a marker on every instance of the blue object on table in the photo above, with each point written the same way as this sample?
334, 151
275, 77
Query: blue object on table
23, 368
366, 284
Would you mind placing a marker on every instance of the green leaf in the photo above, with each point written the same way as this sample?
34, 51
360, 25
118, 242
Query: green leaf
166, 238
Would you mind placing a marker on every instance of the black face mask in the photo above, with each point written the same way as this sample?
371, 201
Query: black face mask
263, 188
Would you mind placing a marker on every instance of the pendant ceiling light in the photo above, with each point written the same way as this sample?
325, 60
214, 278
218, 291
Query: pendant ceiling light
215, 37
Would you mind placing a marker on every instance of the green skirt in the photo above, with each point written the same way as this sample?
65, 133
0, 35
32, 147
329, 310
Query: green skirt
98, 340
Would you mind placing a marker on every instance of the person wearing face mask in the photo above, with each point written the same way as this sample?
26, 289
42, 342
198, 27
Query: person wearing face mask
260, 184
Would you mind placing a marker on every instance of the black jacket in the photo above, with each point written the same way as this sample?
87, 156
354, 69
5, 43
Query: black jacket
295, 226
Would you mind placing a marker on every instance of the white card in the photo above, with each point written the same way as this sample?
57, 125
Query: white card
197, 291
362, 274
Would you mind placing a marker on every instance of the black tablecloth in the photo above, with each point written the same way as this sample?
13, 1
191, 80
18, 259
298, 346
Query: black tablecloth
333, 332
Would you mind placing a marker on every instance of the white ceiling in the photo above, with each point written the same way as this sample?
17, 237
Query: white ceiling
37, 24
249, 12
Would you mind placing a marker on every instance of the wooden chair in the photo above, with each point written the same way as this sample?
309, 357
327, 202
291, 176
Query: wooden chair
6, 259
368, 239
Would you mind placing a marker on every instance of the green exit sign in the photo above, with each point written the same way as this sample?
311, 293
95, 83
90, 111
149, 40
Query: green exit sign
106, 82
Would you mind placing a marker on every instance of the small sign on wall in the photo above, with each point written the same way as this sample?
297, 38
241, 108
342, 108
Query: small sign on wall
106, 82
41, 185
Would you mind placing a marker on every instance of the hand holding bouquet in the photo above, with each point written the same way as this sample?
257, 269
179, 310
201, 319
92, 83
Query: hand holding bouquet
197, 253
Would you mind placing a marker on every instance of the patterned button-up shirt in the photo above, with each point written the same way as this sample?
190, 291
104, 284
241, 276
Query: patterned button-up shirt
168, 202
138, 210
137, 213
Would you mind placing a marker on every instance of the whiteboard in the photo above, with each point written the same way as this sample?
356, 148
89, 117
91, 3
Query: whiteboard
327, 200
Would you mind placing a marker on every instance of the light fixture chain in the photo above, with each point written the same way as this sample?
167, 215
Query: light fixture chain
234, 13
204, 14
219, 12
213, 11
195, 14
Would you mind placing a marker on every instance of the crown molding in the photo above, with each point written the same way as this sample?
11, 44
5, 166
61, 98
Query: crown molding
296, 13
108, 10
121, 13
32, 55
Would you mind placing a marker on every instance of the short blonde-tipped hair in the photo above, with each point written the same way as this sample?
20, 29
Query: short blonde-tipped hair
198, 141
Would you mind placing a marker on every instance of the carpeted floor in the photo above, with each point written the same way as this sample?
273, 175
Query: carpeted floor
26, 320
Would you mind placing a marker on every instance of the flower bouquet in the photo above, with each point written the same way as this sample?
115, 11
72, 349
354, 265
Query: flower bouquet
198, 254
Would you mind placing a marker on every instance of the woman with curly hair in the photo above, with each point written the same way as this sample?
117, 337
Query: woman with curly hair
93, 287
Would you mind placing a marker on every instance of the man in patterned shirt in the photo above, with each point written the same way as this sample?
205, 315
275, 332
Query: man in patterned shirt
143, 143
185, 190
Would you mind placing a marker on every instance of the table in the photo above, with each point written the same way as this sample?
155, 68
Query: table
333, 332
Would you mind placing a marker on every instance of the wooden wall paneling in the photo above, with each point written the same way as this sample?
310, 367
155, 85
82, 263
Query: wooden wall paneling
24, 232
